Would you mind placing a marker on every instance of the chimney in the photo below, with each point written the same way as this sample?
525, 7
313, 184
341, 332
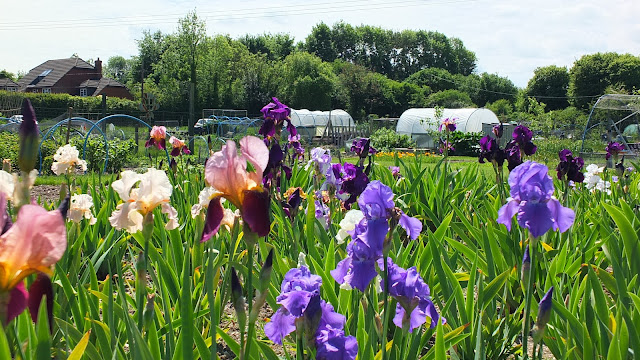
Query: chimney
98, 67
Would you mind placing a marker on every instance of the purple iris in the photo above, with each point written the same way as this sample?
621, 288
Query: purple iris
275, 166
362, 147
300, 300
321, 160
490, 151
544, 309
293, 203
376, 203
522, 136
413, 296
569, 168
275, 114
322, 213
613, 149
447, 146
513, 154
354, 181
533, 203
395, 171
448, 124
332, 344
294, 143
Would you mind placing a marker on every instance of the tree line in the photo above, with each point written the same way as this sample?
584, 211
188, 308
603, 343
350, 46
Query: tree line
366, 70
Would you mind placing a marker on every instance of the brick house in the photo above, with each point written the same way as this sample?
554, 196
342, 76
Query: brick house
8, 85
72, 76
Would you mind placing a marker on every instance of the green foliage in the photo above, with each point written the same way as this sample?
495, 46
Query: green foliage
388, 139
10, 145
552, 82
452, 99
121, 153
465, 144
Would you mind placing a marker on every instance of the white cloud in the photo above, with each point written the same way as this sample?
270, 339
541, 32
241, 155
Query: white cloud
510, 38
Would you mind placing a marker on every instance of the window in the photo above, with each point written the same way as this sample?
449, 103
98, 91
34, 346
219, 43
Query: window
46, 90
83, 92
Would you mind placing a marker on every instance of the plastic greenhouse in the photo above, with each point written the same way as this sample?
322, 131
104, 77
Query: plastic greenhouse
419, 123
614, 117
313, 123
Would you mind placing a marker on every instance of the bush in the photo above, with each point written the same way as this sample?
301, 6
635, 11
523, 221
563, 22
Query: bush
465, 144
10, 148
121, 152
387, 140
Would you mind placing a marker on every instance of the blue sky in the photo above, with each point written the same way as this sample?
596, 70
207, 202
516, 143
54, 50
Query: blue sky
510, 38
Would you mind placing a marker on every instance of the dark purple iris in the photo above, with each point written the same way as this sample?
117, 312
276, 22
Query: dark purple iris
491, 152
362, 147
448, 124
413, 296
275, 114
447, 146
522, 136
354, 181
395, 171
613, 149
275, 166
296, 146
513, 154
292, 205
569, 168
29, 142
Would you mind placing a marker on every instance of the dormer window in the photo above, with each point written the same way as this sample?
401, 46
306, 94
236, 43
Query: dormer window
46, 90
83, 92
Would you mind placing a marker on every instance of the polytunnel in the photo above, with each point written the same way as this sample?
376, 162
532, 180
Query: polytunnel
313, 123
420, 123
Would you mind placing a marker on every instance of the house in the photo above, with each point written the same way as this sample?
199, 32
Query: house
8, 85
72, 76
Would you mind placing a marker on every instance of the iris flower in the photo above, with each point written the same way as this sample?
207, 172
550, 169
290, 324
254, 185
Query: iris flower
227, 172
157, 137
413, 296
569, 167
33, 244
613, 149
178, 146
533, 202
66, 159
154, 190
448, 124
491, 152
80, 208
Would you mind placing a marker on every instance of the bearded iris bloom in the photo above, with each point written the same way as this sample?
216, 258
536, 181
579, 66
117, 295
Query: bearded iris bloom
302, 306
448, 124
569, 168
33, 244
613, 149
362, 147
491, 152
80, 208
66, 159
227, 172
157, 137
532, 201
154, 190
178, 146
413, 296
275, 114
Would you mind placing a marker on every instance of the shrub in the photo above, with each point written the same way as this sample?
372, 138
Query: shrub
10, 145
465, 144
121, 153
387, 140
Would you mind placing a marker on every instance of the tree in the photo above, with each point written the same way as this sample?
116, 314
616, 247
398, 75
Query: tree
589, 77
150, 50
319, 43
274, 46
549, 84
307, 82
452, 99
118, 68
4, 74
494, 87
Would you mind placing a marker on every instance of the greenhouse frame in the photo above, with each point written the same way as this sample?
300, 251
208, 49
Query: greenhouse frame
314, 123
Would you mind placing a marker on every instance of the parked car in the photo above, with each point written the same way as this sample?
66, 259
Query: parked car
205, 126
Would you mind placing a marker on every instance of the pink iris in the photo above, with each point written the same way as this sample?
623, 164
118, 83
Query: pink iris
178, 146
32, 245
227, 172
157, 137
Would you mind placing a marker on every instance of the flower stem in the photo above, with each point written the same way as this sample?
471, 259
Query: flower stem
251, 325
299, 345
526, 324
385, 306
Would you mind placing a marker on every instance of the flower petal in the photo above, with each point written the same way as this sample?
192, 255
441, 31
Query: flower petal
536, 217
255, 151
563, 217
212, 223
506, 213
255, 211
411, 225
18, 298
282, 324
40, 288
295, 301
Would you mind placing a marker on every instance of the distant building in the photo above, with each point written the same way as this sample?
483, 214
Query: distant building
8, 85
72, 76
